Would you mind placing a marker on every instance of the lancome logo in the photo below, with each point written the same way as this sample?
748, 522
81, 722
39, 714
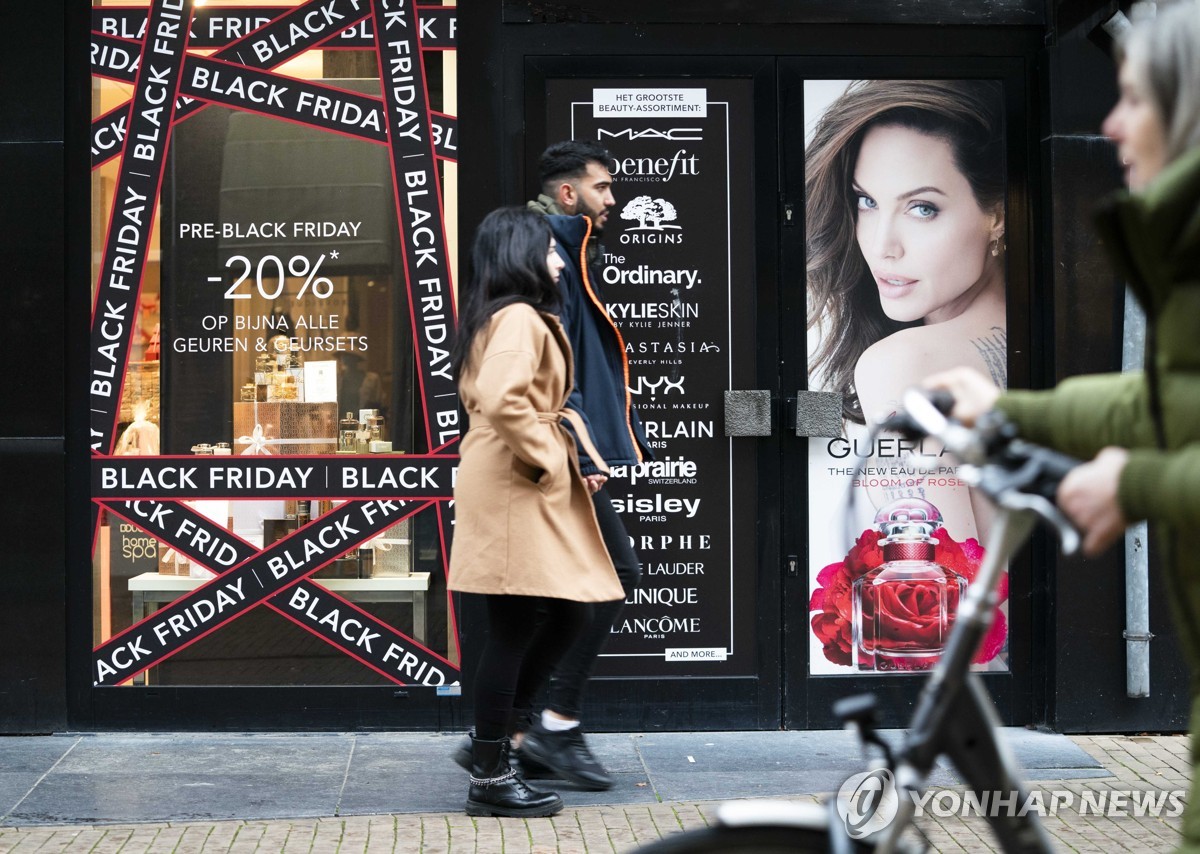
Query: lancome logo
674, 134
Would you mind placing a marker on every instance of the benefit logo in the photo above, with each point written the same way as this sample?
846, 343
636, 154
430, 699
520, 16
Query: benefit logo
661, 169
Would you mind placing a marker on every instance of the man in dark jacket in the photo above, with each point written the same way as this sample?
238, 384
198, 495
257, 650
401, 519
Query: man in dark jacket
576, 198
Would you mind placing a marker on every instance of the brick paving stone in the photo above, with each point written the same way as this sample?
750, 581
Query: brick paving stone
620, 834
112, 841
222, 836
642, 825
354, 836
543, 838
388, 833
665, 819
84, 840
435, 835
299, 837
275, 836
567, 831
193, 839
13, 840
327, 835
463, 832
165, 840
691, 817
594, 831
247, 839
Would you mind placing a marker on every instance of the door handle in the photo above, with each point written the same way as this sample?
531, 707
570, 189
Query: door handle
748, 412
809, 413
815, 414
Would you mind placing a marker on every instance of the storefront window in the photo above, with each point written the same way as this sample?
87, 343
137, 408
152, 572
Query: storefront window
272, 419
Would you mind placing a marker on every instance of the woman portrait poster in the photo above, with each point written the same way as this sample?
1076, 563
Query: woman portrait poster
905, 186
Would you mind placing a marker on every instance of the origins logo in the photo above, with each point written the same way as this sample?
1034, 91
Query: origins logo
653, 218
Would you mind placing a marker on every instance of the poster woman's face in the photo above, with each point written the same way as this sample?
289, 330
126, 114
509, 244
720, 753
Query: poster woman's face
919, 226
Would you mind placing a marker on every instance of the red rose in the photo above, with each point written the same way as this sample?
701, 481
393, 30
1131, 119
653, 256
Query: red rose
912, 609
910, 613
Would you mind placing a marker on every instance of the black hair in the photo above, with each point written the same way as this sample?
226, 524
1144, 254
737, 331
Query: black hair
508, 262
569, 159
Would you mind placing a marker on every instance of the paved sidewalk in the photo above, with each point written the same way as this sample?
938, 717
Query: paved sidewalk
111, 793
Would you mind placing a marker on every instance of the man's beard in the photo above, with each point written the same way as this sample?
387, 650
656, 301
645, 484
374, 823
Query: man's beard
594, 216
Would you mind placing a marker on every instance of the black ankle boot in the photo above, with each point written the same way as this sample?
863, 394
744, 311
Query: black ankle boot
529, 769
498, 790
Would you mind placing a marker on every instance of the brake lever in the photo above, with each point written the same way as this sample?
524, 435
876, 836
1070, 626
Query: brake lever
1004, 486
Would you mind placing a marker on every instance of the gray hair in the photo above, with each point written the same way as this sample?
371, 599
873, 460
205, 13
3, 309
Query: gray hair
1165, 53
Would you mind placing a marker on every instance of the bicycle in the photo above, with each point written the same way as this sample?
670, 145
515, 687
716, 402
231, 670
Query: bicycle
954, 716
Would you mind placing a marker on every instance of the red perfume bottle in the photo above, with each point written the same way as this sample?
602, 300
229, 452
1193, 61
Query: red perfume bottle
904, 608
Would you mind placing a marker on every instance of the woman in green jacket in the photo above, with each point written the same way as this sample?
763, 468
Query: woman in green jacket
1139, 431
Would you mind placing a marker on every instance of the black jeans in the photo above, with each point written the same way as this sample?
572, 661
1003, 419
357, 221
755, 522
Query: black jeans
571, 670
519, 627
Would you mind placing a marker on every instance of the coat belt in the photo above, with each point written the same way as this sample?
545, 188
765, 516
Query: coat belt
557, 417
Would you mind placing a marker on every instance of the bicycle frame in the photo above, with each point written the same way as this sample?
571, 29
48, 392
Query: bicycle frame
955, 715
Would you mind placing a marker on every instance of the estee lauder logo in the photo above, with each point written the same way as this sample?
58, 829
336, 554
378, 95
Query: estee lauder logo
673, 134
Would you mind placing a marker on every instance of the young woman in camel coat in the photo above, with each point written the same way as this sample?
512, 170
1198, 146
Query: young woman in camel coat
526, 536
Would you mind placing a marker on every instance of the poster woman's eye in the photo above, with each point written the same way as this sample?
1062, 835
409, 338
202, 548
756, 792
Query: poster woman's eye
924, 210
865, 202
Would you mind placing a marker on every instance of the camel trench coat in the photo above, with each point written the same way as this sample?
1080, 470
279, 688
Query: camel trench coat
524, 520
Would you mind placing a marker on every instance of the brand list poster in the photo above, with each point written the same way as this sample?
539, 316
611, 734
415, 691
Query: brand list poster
677, 275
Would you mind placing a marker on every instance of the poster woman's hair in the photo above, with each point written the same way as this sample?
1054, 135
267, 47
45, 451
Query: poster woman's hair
842, 296
508, 265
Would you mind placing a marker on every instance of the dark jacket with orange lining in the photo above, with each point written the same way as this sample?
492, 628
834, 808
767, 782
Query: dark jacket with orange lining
601, 394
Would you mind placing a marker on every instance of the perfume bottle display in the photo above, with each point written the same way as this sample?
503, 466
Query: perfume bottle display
904, 608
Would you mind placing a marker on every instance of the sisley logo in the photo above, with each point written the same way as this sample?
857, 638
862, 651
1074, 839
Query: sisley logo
674, 134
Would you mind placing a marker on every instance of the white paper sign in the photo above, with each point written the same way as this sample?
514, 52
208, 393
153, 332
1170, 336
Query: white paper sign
630, 103
320, 382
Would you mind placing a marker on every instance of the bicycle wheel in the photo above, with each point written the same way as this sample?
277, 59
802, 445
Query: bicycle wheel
744, 840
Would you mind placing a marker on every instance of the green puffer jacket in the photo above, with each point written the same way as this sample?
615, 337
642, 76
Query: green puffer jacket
1154, 240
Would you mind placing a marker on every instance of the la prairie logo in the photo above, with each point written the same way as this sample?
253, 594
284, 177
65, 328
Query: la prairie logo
675, 134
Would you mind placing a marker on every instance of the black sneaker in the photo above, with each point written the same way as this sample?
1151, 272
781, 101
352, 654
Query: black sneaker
530, 767
567, 755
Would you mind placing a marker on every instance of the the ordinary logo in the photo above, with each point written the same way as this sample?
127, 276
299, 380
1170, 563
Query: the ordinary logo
868, 802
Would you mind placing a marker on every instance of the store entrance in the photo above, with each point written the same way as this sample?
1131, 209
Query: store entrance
873, 178
745, 617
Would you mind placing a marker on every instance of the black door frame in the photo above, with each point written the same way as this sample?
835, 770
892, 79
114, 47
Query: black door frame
1014, 691
689, 703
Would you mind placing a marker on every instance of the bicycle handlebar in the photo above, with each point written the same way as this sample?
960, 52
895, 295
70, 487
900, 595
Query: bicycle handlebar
1011, 472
